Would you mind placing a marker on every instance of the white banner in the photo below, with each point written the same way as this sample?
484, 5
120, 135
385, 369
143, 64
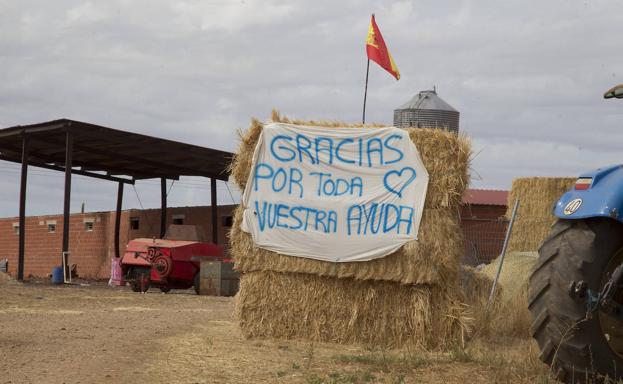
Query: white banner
334, 194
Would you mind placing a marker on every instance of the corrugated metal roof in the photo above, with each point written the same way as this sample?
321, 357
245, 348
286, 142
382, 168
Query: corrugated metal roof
485, 197
101, 152
427, 100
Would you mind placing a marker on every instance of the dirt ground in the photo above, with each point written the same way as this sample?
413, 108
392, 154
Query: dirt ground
99, 334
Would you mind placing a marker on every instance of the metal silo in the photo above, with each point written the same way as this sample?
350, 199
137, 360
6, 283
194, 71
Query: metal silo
427, 110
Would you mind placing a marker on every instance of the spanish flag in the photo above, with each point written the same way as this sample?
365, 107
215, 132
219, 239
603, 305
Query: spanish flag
377, 50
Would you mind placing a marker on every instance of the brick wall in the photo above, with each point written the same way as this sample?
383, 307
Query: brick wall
484, 228
92, 247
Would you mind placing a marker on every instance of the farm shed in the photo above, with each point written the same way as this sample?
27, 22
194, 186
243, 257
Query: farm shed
75, 147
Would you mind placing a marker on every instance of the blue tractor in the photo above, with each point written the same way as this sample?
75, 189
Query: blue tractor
576, 286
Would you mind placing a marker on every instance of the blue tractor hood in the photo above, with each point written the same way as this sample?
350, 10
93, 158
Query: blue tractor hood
603, 198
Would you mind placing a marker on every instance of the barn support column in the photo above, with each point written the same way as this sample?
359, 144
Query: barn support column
118, 218
163, 206
69, 149
22, 210
214, 210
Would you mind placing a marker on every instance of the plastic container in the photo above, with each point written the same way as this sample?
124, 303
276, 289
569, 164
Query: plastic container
57, 275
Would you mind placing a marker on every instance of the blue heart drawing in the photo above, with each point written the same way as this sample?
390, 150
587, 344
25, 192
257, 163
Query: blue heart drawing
399, 185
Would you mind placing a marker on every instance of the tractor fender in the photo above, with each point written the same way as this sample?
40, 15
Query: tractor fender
603, 198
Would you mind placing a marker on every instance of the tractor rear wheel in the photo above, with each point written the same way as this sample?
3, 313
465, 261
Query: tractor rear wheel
580, 347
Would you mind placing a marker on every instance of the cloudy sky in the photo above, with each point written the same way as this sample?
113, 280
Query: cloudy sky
527, 77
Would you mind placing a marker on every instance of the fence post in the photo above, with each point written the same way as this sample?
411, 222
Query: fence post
503, 254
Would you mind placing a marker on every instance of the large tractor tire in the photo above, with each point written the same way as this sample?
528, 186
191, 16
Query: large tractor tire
579, 347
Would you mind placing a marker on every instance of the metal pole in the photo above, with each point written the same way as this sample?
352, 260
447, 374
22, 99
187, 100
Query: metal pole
214, 210
503, 254
118, 219
22, 210
69, 143
163, 207
365, 94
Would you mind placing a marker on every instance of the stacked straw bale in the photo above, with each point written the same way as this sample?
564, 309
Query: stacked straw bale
434, 258
408, 297
537, 196
379, 313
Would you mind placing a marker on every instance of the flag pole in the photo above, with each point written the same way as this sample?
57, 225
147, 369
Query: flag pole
365, 94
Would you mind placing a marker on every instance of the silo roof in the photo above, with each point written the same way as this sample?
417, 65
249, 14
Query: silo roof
427, 100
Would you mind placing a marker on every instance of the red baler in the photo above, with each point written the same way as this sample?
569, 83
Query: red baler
166, 264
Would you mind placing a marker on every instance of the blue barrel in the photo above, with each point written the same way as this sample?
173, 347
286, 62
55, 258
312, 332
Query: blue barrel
57, 275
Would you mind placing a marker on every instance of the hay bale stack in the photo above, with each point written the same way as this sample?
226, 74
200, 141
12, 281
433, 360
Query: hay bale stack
433, 259
407, 298
537, 196
378, 313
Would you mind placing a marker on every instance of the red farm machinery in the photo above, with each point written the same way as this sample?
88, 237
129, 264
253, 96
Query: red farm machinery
166, 264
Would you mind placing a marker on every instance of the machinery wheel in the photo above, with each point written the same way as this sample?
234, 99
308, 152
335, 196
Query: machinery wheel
580, 348
165, 289
132, 277
135, 287
141, 281
197, 283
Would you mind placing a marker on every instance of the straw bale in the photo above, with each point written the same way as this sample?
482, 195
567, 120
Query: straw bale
445, 155
528, 233
348, 311
476, 287
511, 316
433, 259
515, 273
508, 314
537, 196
